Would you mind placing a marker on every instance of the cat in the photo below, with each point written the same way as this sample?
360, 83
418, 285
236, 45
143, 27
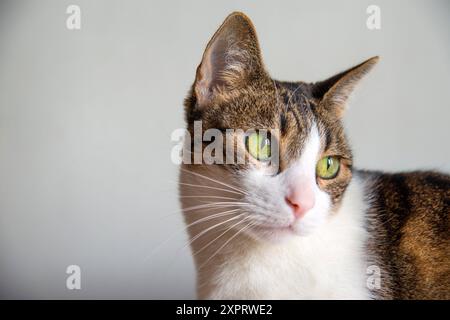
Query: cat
317, 228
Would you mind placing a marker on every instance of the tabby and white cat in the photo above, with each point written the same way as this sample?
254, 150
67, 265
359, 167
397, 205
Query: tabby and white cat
317, 226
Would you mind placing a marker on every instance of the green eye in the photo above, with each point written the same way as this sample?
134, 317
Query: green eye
328, 167
258, 145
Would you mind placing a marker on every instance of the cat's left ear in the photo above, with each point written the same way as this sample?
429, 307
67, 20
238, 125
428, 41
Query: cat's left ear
334, 92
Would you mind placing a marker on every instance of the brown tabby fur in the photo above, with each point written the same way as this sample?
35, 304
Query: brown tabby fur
408, 218
409, 226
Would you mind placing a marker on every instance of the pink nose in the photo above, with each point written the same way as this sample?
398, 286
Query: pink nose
300, 202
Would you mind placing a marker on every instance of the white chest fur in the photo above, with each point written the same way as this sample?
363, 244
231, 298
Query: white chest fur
329, 264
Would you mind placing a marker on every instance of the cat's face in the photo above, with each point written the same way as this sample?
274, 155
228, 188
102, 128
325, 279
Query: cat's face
233, 91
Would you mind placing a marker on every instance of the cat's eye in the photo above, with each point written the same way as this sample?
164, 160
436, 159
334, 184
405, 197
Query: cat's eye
258, 145
328, 167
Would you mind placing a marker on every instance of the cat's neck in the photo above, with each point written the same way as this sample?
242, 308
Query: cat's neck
238, 265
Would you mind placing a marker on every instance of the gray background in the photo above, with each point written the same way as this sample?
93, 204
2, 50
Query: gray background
86, 117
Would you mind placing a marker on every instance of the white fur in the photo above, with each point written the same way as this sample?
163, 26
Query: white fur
321, 257
268, 191
328, 264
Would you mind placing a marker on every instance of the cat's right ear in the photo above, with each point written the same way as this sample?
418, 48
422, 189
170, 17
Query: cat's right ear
231, 60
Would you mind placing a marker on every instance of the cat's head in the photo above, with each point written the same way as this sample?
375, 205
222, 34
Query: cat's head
232, 90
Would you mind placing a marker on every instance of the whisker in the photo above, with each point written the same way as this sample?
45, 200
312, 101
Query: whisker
210, 228
211, 242
203, 206
216, 181
208, 187
217, 204
213, 197
227, 242
292, 94
184, 229
207, 205
220, 214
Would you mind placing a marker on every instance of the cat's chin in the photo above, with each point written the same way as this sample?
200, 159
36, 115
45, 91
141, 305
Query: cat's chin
279, 234
273, 233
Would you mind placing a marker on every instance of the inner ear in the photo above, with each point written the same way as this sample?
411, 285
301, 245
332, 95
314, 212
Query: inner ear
231, 59
334, 92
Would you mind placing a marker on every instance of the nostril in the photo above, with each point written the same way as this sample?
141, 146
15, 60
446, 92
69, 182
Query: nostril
301, 200
293, 205
298, 212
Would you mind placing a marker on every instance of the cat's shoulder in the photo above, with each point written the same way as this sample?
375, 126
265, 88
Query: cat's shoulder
424, 185
416, 193
408, 219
